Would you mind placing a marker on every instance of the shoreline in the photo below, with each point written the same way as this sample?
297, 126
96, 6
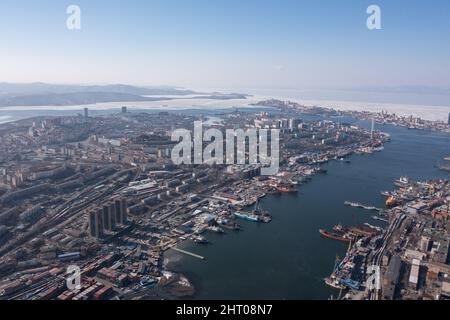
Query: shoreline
173, 261
430, 113
426, 112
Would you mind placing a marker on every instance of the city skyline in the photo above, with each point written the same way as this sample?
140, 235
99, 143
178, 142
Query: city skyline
252, 152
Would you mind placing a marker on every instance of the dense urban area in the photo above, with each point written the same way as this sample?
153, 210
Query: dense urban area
102, 193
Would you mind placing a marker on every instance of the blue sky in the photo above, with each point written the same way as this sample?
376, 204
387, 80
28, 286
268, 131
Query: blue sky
227, 43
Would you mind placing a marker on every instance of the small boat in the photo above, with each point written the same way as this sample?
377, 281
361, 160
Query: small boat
391, 202
216, 229
199, 239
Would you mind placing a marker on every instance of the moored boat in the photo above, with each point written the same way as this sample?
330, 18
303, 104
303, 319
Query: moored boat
335, 236
246, 216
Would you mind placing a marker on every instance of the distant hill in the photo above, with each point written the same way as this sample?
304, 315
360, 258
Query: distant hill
45, 88
222, 96
42, 94
68, 99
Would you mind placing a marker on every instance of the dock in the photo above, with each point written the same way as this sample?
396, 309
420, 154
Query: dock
362, 206
188, 253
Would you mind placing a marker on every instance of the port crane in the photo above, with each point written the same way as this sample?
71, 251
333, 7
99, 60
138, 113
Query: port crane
257, 208
372, 129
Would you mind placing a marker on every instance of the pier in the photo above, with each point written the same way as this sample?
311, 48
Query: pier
189, 253
362, 206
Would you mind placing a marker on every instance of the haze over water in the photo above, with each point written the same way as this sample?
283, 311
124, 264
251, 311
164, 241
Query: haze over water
424, 105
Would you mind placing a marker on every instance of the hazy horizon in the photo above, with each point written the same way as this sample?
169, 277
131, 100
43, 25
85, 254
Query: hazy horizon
271, 44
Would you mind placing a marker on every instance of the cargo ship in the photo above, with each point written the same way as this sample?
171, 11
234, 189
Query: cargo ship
257, 215
247, 216
340, 228
355, 232
362, 231
335, 236
402, 182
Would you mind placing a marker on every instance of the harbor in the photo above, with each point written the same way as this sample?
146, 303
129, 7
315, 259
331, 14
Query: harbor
289, 253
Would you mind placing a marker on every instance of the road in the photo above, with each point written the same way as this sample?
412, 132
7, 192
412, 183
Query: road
378, 256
